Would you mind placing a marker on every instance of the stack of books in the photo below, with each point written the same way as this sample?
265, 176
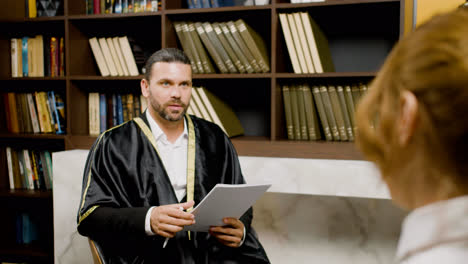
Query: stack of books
29, 169
307, 45
114, 56
38, 112
37, 56
315, 110
233, 46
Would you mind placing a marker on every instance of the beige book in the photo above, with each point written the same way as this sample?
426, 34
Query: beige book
99, 56
255, 43
221, 113
329, 112
288, 112
304, 43
186, 46
362, 89
205, 60
302, 112
337, 112
227, 47
213, 37
32, 65
201, 105
93, 108
189, 110
240, 41
289, 43
19, 49
311, 114
350, 105
128, 56
295, 112
114, 57
120, 56
210, 47
356, 95
245, 62
344, 110
318, 44
297, 43
42, 96
322, 114
108, 57
14, 57
39, 54
194, 106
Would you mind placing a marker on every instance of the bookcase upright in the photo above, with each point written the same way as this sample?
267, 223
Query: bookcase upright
360, 33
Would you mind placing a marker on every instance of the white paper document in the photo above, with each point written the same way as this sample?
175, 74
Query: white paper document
225, 200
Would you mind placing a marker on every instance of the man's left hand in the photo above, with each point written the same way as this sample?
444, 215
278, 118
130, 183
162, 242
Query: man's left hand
231, 234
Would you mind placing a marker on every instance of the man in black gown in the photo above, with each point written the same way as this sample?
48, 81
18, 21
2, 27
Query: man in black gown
139, 175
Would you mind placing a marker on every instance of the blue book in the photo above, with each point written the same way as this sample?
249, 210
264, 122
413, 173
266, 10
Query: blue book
227, 3
206, 3
118, 6
197, 3
115, 118
59, 120
214, 3
120, 119
60, 108
102, 112
124, 6
190, 4
24, 52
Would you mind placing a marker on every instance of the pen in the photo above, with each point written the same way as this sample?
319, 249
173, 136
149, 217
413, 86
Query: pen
167, 239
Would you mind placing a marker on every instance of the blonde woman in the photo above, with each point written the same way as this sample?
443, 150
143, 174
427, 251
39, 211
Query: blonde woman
413, 124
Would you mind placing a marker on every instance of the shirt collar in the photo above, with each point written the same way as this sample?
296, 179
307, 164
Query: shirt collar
159, 135
433, 224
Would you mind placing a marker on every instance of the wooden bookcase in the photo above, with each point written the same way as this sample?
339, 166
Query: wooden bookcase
360, 32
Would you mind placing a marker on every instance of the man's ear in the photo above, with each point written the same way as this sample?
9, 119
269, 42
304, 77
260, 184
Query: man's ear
144, 84
407, 121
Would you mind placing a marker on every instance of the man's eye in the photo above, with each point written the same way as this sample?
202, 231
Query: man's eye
165, 83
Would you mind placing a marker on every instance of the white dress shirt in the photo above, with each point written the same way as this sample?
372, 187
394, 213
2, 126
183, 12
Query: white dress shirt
436, 233
174, 159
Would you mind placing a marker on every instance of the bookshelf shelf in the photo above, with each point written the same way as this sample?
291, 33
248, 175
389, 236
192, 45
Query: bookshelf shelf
216, 10
330, 3
18, 251
19, 79
113, 16
326, 75
102, 78
233, 76
18, 193
32, 136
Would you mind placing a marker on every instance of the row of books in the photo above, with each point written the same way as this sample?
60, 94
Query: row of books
109, 110
224, 3
311, 110
37, 56
307, 45
38, 112
121, 6
29, 169
208, 106
39, 8
114, 56
233, 46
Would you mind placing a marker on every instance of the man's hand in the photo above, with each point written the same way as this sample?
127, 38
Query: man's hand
230, 235
167, 220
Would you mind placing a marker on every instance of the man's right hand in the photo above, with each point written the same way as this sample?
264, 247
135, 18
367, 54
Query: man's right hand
167, 220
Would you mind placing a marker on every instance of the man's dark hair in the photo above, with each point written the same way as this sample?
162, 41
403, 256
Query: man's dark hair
165, 55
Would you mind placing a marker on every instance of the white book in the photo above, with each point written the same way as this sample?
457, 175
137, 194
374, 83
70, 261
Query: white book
14, 57
189, 110
107, 56
297, 43
304, 43
289, 43
118, 50
225, 200
10, 168
194, 106
128, 56
98, 55
115, 58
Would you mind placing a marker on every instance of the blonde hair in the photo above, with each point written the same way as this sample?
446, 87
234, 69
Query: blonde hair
431, 63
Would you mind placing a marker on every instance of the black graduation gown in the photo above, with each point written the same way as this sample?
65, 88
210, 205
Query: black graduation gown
124, 177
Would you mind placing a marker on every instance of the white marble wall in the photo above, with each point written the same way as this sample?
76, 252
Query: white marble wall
311, 214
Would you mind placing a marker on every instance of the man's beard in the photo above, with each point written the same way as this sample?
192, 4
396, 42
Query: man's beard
162, 110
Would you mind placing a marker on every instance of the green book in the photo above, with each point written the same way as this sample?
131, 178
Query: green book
295, 113
186, 46
288, 112
329, 112
322, 114
311, 115
337, 112
344, 110
302, 112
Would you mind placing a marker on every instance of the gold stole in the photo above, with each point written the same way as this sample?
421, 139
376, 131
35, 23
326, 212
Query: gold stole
190, 154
